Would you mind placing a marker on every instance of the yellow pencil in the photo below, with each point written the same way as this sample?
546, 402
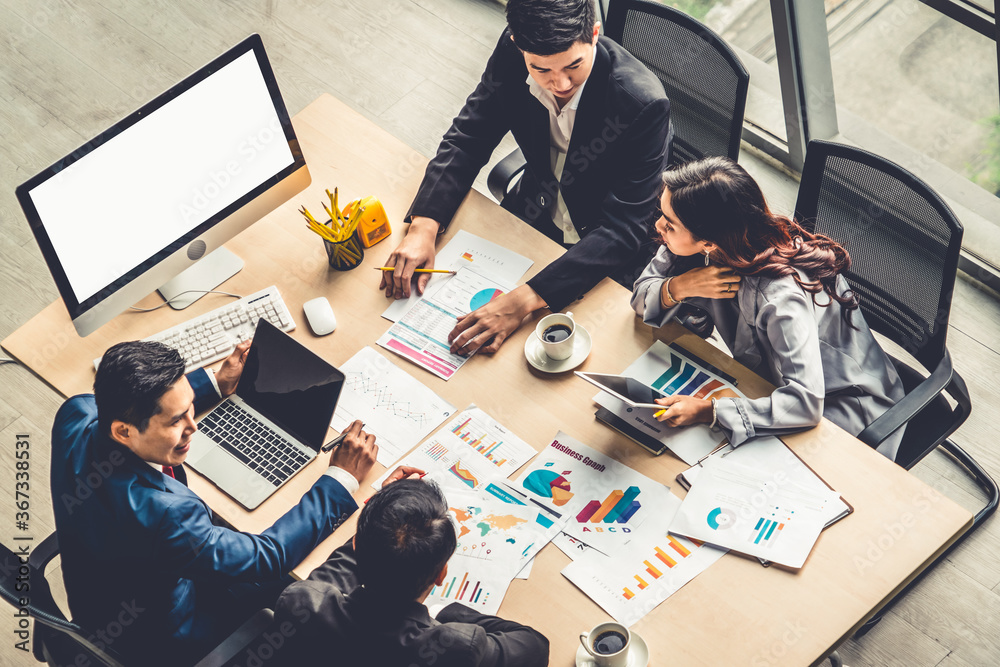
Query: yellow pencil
660, 413
393, 268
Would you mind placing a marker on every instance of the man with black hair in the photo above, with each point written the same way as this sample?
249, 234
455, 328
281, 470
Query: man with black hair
594, 127
364, 606
146, 564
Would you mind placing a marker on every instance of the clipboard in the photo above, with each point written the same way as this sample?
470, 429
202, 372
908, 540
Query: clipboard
796, 473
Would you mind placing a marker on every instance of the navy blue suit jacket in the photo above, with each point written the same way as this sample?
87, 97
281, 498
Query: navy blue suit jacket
610, 183
141, 556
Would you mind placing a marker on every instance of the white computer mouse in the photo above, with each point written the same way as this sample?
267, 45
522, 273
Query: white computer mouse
320, 316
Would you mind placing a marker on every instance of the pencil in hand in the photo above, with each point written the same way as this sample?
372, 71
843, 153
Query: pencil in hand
393, 268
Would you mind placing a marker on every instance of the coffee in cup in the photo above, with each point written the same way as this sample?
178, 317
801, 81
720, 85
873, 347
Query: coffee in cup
557, 335
608, 644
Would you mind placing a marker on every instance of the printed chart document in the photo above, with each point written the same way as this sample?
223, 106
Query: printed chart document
750, 511
473, 449
601, 500
394, 406
770, 455
497, 541
491, 529
422, 334
674, 372
465, 250
655, 565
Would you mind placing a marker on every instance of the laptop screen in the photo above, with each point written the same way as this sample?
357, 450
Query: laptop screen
290, 385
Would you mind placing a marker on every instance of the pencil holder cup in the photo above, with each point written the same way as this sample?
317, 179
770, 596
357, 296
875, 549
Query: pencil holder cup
345, 255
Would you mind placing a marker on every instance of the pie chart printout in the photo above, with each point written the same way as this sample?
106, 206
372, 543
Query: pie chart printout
483, 297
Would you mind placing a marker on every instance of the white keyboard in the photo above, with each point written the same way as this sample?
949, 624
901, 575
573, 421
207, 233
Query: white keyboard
205, 339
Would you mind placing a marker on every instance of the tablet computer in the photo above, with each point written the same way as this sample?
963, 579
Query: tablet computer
629, 390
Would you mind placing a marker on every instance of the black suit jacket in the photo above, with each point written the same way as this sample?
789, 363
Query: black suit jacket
611, 180
330, 619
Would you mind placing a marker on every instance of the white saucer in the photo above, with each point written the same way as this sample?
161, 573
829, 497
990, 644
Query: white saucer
536, 356
638, 655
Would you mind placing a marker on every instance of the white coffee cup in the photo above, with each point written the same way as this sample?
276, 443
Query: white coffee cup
560, 349
599, 638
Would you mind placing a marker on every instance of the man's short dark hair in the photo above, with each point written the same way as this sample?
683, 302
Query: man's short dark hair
405, 536
546, 27
130, 381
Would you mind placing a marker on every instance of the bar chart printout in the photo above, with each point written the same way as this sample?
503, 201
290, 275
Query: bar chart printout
472, 447
633, 581
472, 584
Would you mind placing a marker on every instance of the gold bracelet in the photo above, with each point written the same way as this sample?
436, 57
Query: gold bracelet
666, 290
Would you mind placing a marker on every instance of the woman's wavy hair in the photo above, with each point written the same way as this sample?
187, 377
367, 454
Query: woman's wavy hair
718, 201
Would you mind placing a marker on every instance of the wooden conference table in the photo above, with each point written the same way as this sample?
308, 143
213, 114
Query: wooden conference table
736, 612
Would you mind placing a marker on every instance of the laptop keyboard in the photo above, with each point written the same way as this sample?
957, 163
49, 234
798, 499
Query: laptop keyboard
253, 442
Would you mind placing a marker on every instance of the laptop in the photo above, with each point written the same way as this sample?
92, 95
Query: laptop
274, 425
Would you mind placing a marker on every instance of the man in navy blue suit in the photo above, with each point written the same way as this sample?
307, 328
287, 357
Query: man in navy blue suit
147, 566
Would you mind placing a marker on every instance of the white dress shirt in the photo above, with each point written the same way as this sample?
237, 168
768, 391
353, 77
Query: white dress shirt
561, 122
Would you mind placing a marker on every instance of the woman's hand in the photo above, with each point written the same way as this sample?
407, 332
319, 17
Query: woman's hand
684, 411
709, 282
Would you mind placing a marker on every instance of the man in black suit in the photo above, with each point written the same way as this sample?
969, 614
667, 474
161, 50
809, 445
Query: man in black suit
594, 126
364, 606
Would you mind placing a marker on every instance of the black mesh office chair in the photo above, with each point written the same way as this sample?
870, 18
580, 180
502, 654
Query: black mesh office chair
904, 243
58, 641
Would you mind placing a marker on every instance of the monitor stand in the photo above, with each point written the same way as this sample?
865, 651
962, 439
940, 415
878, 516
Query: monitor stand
208, 273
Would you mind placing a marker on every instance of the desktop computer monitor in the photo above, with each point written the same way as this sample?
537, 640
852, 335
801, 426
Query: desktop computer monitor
137, 207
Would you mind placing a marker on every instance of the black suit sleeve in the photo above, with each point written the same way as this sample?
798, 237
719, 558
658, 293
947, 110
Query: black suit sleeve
339, 570
466, 146
497, 642
624, 218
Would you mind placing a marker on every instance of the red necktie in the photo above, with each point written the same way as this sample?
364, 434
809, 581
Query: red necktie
169, 471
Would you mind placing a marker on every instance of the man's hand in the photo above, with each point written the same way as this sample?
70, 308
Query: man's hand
415, 252
228, 376
403, 472
356, 454
494, 322
685, 410
710, 282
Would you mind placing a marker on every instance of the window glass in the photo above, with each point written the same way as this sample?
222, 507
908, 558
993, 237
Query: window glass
923, 78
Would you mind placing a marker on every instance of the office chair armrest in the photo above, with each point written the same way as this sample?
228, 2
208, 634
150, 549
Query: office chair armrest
43, 552
235, 643
911, 404
501, 175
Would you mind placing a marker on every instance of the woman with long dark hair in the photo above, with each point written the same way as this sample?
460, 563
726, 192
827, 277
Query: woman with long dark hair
779, 302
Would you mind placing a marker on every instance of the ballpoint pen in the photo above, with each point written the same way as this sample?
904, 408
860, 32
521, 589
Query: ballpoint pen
336, 441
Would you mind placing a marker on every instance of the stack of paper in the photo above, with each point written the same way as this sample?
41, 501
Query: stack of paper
473, 449
601, 501
754, 512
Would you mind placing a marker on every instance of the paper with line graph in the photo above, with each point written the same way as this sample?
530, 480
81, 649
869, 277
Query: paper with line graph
654, 566
394, 406
473, 449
